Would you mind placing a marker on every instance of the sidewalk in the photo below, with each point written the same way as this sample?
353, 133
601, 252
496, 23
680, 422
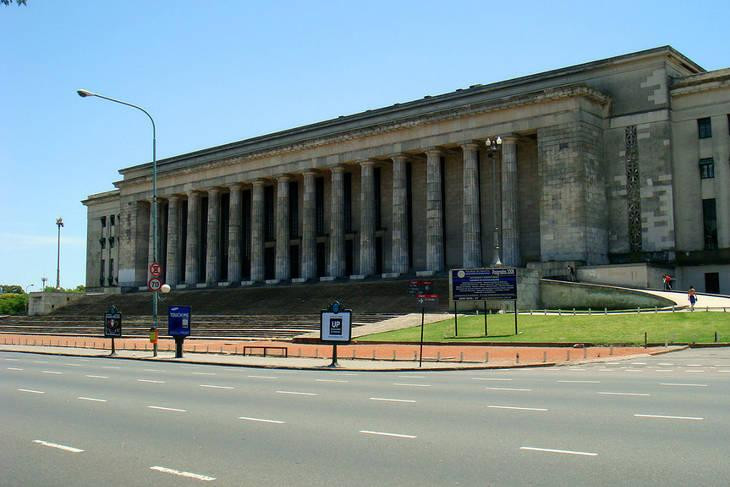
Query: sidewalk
312, 356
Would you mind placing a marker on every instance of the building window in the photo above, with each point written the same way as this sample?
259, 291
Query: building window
709, 223
102, 242
103, 222
111, 242
704, 128
111, 220
101, 273
319, 205
347, 196
707, 168
111, 272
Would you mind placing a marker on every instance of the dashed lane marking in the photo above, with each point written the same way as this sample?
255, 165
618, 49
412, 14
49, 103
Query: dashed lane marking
663, 370
210, 386
633, 370
13, 359
190, 475
661, 416
51, 372
16, 368
261, 377
518, 408
410, 385
261, 420
680, 384
110, 367
694, 365
566, 452
33, 391
203, 373
332, 380
695, 371
491, 378
391, 399
151, 381
580, 381
72, 365
411, 376
168, 409
507, 389
298, 393
665, 364
91, 399
60, 447
382, 433
97, 377
624, 394
152, 370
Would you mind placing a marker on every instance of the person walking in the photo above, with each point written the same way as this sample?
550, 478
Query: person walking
692, 296
667, 282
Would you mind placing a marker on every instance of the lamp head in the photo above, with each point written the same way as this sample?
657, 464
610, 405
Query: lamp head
59, 221
84, 93
499, 140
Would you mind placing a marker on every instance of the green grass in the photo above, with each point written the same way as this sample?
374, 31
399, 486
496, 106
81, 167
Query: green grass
13, 304
627, 328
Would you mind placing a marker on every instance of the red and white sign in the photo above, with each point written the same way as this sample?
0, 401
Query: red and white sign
155, 269
154, 284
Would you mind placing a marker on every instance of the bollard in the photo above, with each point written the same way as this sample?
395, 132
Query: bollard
672, 308
589, 311
638, 310
573, 311
585, 353
353, 354
316, 353
567, 356
610, 351
373, 354
715, 336
544, 357
461, 356
656, 310
393, 355
207, 348
560, 312
645, 339
517, 357
415, 355
530, 312
545, 312
438, 356
486, 357
707, 309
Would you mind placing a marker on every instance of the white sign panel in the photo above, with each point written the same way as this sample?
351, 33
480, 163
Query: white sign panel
336, 327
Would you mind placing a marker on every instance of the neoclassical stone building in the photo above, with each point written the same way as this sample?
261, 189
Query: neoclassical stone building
620, 166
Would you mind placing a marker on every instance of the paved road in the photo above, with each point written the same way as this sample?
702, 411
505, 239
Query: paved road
663, 420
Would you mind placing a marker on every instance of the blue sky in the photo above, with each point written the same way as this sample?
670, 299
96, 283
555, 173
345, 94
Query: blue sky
221, 71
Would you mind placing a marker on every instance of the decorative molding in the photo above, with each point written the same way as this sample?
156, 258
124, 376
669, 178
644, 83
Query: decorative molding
633, 188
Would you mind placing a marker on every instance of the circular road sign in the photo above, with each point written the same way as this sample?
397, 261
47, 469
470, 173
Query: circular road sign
155, 269
154, 284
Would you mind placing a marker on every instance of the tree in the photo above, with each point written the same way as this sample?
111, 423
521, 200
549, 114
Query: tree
8, 2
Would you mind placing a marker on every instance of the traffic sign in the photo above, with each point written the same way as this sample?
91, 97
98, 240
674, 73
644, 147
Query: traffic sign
335, 324
419, 287
155, 269
154, 284
427, 299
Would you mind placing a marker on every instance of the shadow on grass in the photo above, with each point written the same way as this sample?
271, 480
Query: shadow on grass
471, 337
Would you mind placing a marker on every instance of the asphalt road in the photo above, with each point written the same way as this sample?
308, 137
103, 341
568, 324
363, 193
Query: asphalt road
68, 421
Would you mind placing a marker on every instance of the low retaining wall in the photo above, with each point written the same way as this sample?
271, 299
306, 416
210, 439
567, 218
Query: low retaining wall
567, 295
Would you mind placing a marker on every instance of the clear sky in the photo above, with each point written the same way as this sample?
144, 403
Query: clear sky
213, 72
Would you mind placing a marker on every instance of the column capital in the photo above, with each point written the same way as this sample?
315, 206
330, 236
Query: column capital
173, 198
434, 152
282, 178
469, 145
310, 172
235, 187
398, 157
509, 139
213, 191
258, 182
192, 193
366, 162
337, 169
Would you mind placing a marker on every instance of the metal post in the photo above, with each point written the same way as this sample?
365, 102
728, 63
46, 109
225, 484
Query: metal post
114, 350
334, 356
420, 354
485, 319
516, 332
456, 321
59, 224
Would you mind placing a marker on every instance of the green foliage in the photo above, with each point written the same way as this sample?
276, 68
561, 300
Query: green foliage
19, 2
11, 289
13, 304
78, 289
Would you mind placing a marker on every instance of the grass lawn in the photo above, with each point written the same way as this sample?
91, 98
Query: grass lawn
697, 327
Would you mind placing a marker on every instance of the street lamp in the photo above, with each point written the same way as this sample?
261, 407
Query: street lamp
59, 224
27, 304
44, 280
493, 145
85, 93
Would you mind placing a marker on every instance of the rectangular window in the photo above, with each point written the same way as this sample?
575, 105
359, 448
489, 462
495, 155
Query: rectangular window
709, 223
111, 220
293, 209
707, 168
704, 128
347, 196
111, 272
319, 205
102, 242
712, 282
103, 222
101, 273
377, 176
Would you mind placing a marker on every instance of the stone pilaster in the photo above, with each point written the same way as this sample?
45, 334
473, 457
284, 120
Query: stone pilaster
213, 237
472, 234
172, 273
234, 234
367, 219
257, 231
399, 233
309, 243
434, 213
510, 222
282, 228
337, 224
192, 246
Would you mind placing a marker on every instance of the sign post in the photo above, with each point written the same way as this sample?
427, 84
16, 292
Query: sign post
154, 285
335, 326
178, 326
498, 283
113, 325
424, 297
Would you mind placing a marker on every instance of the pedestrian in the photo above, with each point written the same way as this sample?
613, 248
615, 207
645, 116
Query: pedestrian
692, 296
571, 273
667, 282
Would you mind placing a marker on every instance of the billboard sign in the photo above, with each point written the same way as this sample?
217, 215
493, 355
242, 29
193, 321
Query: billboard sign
482, 284
178, 321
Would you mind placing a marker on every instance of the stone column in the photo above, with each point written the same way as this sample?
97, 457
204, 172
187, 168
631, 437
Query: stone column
434, 213
337, 224
213, 237
399, 233
510, 222
367, 219
257, 231
172, 273
192, 243
472, 234
309, 243
282, 228
234, 234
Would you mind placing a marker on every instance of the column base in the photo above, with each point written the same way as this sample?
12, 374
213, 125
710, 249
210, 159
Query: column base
142, 288
247, 283
425, 273
224, 284
390, 275
272, 281
327, 278
180, 286
201, 285
357, 277
299, 280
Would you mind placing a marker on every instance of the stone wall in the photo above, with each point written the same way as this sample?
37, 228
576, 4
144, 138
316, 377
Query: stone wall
568, 295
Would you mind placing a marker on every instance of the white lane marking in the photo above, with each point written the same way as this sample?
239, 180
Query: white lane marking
490, 378
85, 359
90, 399
507, 389
566, 452
663, 370
261, 377
298, 393
168, 409
97, 377
191, 475
381, 433
261, 420
72, 365
32, 391
60, 447
151, 370
51, 372
411, 376
724, 370
695, 370
694, 365
580, 381
110, 367
16, 368
660, 416
40, 361
332, 380
151, 381
633, 370
203, 373
665, 364
13, 359
638, 363
679, 384
210, 386
517, 408
410, 385
348, 373
606, 370
390, 399
576, 370
624, 394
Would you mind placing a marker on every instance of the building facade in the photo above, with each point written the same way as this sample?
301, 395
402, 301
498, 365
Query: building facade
610, 163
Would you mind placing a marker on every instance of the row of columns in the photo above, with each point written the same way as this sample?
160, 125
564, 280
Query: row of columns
472, 255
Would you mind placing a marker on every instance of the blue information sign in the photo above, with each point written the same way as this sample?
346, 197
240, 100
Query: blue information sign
178, 321
483, 284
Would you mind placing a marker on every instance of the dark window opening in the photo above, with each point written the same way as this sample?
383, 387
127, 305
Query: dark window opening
319, 205
321, 260
378, 255
110, 279
707, 168
294, 209
102, 242
347, 196
709, 221
269, 263
377, 176
294, 262
246, 234
103, 222
223, 240
409, 211
269, 222
111, 242
101, 273
111, 220
349, 257
704, 128
712, 282
203, 243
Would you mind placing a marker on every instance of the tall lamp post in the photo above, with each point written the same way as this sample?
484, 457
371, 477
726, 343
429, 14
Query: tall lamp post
83, 94
493, 145
59, 224
27, 304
